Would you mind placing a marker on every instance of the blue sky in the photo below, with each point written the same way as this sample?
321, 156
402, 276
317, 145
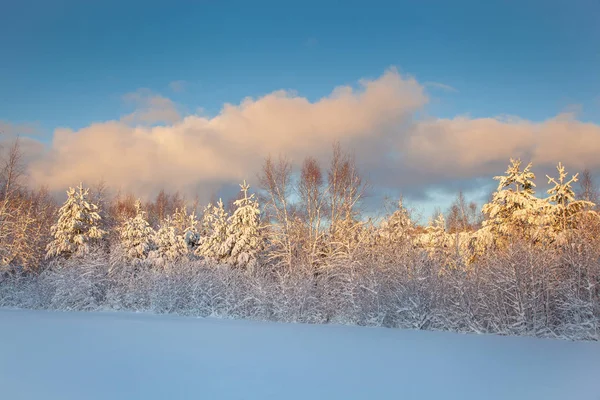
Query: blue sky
69, 63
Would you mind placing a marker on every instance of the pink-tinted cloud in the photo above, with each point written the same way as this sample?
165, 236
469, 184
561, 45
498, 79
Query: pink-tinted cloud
150, 108
378, 121
228, 147
463, 147
10, 130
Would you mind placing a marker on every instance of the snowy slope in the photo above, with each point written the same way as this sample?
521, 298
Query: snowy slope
53, 355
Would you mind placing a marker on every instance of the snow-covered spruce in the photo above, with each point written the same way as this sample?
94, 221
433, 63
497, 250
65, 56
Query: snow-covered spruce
186, 225
436, 241
398, 227
243, 231
564, 207
213, 233
514, 209
77, 225
136, 235
169, 247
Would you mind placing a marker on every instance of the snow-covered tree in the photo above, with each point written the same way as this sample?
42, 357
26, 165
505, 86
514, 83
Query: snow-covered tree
213, 232
77, 225
136, 235
437, 230
397, 227
435, 239
169, 247
391, 238
514, 209
562, 197
243, 230
186, 225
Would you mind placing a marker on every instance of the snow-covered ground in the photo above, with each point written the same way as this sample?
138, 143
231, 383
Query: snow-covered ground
55, 355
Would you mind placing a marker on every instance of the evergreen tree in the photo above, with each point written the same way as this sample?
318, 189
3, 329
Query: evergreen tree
440, 240
243, 230
214, 233
397, 227
435, 239
77, 225
187, 226
136, 235
514, 209
562, 197
169, 247
438, 225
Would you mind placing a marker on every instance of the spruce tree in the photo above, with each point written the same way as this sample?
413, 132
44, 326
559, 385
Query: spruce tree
136, 235
397, 227
514, 209
243, 230
438, 241
169, 247
214, 233
77, 225
562, 197
187, 227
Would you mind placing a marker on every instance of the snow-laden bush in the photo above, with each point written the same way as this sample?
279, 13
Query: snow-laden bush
519, 291
76, 285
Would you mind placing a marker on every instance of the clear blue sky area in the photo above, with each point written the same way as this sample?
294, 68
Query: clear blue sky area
68, 63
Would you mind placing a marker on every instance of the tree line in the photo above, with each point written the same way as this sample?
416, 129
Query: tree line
299, 249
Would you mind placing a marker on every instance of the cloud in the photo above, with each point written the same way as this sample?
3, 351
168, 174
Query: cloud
441, 86
10, 130
150, 108
30, 146
463, 147
178, 86
197, 152
377, 119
